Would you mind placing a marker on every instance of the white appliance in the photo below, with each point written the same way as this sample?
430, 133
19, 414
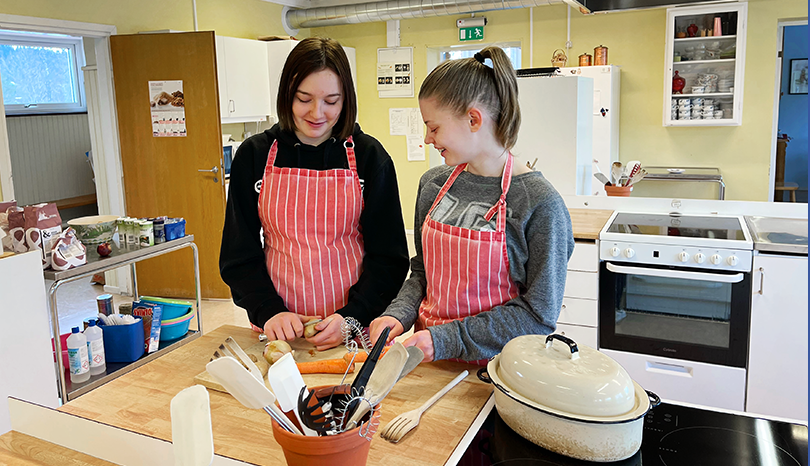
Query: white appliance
557, 129
606, 89
674, 303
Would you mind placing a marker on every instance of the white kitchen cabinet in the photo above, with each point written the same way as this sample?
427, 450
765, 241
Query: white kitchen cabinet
243, 74
777, 354
579, 314
277, 51
719, 60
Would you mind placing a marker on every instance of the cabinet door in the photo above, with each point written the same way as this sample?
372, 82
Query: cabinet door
712, 65
222, 79
246, 76
777, 356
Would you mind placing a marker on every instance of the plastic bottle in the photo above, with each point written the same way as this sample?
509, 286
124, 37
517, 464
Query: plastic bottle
95, 348
77, 357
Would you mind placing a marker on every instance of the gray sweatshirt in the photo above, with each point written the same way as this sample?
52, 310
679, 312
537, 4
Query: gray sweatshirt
539, 242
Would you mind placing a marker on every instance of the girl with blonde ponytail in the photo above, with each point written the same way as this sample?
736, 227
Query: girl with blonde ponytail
492, 237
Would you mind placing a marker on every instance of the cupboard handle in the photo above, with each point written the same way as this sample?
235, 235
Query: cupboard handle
761, 280
231, 103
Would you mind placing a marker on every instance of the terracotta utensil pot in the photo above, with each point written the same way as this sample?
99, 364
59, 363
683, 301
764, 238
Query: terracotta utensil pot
346, 449
623, 191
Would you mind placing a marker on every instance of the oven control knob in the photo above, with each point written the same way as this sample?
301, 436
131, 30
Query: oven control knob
614, 251
732, 260
628, 253
683, 256
700, 258
716, 259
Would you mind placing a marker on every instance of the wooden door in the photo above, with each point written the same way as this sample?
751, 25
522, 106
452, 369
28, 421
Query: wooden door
161, 174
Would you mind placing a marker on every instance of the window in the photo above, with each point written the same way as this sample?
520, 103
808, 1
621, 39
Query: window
40, 73
436, 55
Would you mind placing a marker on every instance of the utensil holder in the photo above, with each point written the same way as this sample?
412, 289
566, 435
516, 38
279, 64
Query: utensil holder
622, 191
345, 449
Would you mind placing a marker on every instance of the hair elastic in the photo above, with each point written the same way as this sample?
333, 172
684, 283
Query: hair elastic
484, 61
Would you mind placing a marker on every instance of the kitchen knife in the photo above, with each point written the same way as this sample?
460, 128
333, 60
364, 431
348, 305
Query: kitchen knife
602, 178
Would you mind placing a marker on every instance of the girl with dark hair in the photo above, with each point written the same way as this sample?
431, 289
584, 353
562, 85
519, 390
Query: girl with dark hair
493, 238
324, 196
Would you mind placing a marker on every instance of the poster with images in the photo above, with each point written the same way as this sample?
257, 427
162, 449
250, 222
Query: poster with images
395, 72
168, 108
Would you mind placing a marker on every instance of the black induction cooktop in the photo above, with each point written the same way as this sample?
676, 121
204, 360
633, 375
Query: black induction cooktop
691, 226
673, 436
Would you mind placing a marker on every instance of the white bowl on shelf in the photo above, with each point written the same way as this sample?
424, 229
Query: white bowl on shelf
676, 171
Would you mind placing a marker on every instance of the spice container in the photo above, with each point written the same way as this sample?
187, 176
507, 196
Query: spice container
159, 232
585, 60
146, 236
600, 56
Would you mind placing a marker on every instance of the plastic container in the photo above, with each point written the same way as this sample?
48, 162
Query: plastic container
159, 232
172, 308
174, 228
175, 328
95, 348
146, 235
77, 357
123, 343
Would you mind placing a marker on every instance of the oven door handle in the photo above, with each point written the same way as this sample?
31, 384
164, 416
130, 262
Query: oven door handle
709, 277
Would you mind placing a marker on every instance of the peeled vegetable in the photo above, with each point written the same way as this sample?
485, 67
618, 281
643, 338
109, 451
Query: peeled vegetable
309, 328
274, 350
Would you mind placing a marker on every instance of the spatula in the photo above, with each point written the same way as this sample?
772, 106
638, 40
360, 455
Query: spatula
415, 357
247, 390
192, 438
615, 173
286, 382
382, 380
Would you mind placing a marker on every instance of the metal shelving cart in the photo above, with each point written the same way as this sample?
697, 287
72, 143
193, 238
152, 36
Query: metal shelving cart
120, 257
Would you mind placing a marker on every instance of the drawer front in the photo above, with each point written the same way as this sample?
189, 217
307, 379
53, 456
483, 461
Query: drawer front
579, 311
687, 381
582, 285
585, 257
582, 335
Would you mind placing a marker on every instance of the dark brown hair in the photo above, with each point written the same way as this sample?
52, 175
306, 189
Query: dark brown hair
310, 56
459, 85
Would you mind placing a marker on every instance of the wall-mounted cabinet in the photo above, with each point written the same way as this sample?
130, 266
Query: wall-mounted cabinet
243, 74
705, 64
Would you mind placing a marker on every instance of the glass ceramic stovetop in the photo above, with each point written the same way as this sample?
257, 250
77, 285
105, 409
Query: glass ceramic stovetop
674, 435
688, 226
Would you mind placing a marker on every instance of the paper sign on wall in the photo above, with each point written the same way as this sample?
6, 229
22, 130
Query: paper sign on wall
408, 122
395, 72
168, 108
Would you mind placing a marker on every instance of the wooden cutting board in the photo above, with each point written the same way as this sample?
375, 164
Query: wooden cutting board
303, 351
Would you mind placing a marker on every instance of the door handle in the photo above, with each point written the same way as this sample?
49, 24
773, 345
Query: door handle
213, 170
761, 281
231, 103
664, 273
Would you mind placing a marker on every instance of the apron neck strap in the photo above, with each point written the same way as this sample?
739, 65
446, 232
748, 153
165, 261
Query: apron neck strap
348, 144
447, 184
500, 206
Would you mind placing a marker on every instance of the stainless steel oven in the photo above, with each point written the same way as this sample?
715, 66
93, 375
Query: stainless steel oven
676, 286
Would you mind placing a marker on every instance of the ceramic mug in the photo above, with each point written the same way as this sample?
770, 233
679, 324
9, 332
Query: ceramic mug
708, 101
684, 101
708, 108
699, 101
718, 114
698, 89
696, 115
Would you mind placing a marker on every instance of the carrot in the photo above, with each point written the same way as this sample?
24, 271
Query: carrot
326, 366
362, 355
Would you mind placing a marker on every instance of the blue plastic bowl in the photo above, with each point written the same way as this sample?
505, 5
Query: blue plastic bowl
177, 328
172, 308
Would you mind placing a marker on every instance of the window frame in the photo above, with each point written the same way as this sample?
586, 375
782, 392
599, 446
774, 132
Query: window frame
435, 52
50, 40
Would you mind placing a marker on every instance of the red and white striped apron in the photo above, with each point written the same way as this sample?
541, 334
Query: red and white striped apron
312, 242
467, 271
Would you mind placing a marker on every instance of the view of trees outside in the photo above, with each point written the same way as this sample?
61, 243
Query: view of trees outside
35, 74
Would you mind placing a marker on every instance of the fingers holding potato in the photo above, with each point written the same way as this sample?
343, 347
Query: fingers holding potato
309, 328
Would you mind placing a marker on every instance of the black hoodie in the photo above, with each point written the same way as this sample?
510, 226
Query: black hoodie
242, 260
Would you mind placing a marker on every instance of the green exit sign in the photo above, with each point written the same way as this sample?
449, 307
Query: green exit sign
473, 33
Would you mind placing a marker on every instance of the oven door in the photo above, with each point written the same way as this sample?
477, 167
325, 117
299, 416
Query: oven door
680, 313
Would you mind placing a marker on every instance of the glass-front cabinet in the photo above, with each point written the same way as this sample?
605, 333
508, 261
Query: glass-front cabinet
705, 63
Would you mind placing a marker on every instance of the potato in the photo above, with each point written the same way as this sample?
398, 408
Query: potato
274, 350
309, 328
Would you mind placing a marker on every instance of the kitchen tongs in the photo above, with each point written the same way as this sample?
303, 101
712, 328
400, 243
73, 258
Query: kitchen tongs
231, 348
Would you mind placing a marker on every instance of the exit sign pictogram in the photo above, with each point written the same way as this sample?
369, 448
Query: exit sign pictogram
472, 33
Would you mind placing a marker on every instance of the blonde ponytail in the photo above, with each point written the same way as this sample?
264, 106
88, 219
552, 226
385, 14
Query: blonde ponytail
461, 84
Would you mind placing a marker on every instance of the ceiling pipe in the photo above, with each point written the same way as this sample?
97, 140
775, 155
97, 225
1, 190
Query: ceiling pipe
403, 9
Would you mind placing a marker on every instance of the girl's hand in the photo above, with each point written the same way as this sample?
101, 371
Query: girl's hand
380, 323
422, 340
329, 334
284, 326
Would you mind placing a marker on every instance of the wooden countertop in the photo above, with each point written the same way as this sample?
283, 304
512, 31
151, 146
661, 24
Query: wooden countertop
587, 223
140, 401
21, 449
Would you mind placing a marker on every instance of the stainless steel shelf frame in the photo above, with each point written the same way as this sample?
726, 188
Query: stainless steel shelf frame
120, 257
705, 174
